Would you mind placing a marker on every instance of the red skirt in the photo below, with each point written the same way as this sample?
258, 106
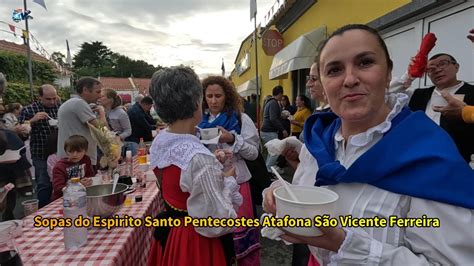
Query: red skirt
185, 246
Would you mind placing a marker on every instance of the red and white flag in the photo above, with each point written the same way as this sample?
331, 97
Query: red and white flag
12, 28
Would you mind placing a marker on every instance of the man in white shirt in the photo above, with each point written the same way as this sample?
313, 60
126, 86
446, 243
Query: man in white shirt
442, 69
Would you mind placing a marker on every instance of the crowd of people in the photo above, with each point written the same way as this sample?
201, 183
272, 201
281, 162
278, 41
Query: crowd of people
367, 141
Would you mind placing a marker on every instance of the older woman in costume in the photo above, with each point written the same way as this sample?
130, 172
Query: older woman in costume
382, 160
191, 179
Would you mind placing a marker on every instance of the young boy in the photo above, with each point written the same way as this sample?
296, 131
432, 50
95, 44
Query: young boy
77, 164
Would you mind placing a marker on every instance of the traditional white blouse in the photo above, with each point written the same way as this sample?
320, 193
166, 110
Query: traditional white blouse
245, 146
450, 244
211, 195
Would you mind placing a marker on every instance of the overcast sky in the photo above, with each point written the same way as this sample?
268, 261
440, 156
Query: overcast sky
198, 33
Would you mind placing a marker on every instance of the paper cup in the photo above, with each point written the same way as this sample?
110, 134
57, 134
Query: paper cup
30, 206
438, 100
96, 180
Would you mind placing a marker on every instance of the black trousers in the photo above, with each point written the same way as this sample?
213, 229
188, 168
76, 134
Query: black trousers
300, 255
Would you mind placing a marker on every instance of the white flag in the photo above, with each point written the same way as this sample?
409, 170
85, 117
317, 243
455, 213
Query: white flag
68, 56
253, 8
41, 3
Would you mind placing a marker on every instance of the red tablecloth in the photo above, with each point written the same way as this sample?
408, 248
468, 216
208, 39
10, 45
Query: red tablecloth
118, 246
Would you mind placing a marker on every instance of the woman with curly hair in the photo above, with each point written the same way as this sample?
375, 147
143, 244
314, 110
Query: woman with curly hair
223, 109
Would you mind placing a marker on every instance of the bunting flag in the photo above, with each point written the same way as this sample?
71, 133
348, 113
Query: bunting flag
223, 67
41, 3
68, 56
12, 28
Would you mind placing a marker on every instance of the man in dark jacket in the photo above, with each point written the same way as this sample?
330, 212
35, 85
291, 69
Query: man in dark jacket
272, 123
12, 171
442, 69
141, 120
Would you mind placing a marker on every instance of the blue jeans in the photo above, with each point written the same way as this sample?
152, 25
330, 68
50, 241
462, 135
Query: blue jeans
44, 187
131, 146
271, 159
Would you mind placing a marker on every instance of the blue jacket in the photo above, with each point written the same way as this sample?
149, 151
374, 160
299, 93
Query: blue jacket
142, 124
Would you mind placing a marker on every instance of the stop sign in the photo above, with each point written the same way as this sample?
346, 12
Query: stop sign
272, 42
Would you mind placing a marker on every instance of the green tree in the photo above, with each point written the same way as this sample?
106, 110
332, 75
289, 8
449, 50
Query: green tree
93, 59
59, 58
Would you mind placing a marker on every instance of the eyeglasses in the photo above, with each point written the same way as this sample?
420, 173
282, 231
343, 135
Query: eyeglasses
313, 78
441, 65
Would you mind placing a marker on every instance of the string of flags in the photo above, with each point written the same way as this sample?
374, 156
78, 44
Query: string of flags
19, 15
34, 43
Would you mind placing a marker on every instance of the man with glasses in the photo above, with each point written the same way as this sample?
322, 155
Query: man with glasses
442, 70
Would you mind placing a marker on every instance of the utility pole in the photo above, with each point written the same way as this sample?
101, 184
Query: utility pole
256, 67
28, 52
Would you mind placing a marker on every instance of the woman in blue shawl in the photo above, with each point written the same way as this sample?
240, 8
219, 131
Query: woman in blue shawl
383, 161
239, 137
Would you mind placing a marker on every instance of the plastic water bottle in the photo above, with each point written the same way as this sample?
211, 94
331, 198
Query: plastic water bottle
142, 152
75, 204
129, 163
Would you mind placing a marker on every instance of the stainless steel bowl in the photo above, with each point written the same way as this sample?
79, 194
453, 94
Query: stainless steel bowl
102, 202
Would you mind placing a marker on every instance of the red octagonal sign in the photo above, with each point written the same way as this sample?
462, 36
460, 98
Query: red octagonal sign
272, 42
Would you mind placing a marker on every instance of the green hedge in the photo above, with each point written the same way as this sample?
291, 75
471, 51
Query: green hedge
20, 93
15, 68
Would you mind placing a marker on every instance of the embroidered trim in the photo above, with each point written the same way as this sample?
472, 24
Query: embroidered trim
174, 208
177, 149
397, 102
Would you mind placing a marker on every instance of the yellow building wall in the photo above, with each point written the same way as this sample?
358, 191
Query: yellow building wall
333, 14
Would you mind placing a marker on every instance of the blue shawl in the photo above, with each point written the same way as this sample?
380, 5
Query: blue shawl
229, 122
415, 158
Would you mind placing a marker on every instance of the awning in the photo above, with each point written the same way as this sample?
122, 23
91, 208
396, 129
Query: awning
299, 54
247, 88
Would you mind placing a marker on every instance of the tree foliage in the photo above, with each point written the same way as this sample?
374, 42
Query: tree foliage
96, 59
59, 58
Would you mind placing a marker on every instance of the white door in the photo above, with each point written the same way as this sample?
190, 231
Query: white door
403, 43
451, 28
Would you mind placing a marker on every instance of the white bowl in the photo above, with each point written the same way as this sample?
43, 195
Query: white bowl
53, 122
209, 133
314, 201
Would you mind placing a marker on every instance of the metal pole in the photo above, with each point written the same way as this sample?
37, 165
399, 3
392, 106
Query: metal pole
28, 53
256, 70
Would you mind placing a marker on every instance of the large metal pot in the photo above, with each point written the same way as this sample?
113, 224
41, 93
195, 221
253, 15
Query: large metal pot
102, 202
